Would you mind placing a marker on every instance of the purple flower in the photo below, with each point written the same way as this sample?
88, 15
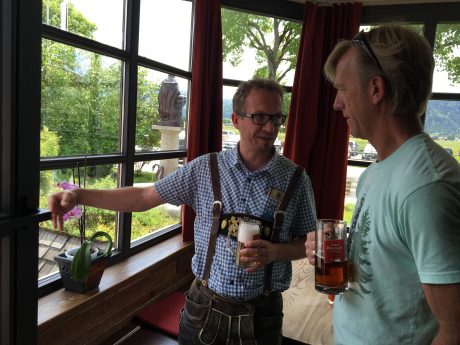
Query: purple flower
67, 185
76, 211
73, 213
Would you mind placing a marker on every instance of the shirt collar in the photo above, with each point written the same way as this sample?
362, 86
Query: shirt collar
235, 160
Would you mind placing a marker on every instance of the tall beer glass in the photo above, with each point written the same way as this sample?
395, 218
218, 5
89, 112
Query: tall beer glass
331, 265
246, 232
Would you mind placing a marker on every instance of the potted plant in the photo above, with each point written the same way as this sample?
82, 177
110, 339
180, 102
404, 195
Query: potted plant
81, 269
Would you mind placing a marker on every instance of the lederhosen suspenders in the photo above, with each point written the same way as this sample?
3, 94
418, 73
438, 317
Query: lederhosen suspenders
217, 210
278, 223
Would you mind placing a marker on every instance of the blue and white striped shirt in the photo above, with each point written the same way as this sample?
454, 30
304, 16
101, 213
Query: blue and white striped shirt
243, 191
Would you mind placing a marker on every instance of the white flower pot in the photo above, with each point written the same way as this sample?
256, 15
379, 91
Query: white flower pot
70, 253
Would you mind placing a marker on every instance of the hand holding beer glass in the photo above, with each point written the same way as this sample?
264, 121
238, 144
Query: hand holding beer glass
331, 264
246, 232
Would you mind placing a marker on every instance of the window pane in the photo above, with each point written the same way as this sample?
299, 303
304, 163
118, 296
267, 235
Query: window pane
442, 122
446, 53
148, 222
251, 46
161, 111
230, 135
361, 149
80, 105
100, 20
164, 31
353, 174
53, 242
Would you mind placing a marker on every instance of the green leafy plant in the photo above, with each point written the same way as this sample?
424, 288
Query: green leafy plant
81, 263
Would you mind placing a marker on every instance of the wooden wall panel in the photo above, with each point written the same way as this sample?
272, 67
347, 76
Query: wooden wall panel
93, 317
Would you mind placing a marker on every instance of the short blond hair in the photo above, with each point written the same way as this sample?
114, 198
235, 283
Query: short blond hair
407, 66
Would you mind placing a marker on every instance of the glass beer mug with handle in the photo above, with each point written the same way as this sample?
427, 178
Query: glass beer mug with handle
331, 262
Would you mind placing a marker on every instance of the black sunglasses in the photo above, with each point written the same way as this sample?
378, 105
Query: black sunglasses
362, 41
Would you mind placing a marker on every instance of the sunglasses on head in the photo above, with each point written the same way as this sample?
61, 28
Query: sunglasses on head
361, 40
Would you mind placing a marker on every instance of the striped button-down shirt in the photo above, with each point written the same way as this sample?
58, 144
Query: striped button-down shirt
257, 193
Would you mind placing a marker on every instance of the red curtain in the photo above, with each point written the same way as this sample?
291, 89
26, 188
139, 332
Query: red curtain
317, 135
205, 119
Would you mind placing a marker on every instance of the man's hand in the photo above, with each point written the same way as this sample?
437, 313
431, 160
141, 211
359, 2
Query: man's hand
310, 247
257, 254
59, 204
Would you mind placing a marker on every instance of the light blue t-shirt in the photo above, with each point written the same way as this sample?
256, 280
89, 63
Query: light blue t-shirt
243, 191
405, 231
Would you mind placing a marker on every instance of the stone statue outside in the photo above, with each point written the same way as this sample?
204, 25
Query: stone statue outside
170, 103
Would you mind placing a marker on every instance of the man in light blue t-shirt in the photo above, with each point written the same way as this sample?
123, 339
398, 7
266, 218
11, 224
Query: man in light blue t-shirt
405, 233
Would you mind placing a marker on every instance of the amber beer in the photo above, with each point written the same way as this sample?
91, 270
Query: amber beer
246, 232
331, 264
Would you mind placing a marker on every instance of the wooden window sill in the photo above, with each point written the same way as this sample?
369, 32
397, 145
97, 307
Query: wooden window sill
126, 287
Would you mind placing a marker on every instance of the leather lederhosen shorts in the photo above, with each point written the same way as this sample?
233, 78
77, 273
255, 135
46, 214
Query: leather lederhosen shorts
208, 318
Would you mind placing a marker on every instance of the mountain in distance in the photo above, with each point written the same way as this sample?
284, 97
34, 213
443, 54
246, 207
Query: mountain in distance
442, 117
228, 108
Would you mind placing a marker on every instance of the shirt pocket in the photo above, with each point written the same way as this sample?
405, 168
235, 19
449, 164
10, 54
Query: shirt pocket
269, 208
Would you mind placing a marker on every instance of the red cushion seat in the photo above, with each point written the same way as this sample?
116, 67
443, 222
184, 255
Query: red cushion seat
164, 313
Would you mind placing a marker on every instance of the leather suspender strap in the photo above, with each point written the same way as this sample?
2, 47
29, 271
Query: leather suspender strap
278, 222
216, 211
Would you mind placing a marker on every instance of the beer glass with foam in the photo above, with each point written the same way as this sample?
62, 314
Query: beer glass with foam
331, 264
246, 232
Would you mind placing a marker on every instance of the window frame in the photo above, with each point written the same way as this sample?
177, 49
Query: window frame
127, 156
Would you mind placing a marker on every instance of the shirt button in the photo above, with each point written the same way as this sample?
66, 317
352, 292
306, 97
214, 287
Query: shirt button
232, 282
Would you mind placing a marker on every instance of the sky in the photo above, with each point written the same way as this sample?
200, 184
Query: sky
172, 19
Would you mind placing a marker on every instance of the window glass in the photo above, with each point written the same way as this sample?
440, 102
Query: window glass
446, 76
80, 104
53, 242
255, 45
353, 174
100, 20
163, 216
230, 135
161, 111
442, 122
164, 31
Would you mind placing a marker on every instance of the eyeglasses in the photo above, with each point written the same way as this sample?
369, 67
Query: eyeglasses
262, 119
362, 41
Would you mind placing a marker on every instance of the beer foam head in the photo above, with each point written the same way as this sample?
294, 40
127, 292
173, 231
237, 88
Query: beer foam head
246, 231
